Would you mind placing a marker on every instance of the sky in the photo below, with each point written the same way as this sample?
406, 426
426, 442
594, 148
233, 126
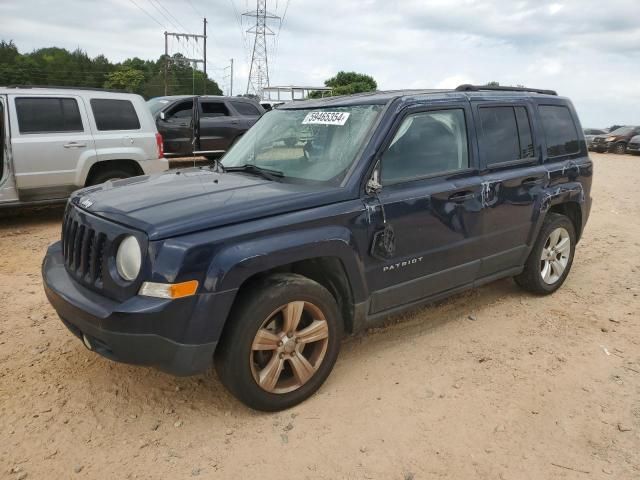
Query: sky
586, 50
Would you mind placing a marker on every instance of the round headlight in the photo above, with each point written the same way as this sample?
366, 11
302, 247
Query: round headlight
129, 258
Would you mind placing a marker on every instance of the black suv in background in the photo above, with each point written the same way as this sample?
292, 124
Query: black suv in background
202, 125
615, 141
326, 217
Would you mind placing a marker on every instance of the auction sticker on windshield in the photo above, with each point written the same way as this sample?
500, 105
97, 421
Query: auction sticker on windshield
326, 118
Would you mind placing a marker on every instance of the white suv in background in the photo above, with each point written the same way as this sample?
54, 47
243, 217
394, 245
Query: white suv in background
56, 140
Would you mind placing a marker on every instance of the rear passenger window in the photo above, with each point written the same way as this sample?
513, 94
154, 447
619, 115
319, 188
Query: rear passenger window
113, 114
506, 134
244, 108
214, 109
48, 115
559, 130
427, 144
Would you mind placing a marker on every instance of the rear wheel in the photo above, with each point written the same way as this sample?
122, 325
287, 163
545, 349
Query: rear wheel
551, 257
281, 344
620, 148
111, 174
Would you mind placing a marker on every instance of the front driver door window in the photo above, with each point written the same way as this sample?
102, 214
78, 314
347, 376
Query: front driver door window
426, 144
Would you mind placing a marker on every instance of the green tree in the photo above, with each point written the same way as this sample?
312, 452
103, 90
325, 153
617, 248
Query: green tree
60, 67
347, 83
126, 78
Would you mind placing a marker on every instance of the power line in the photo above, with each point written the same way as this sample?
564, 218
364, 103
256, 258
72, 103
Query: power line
200, 14
163, 14
184, 29
148, 14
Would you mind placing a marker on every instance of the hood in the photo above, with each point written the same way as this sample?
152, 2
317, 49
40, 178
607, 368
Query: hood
183, 201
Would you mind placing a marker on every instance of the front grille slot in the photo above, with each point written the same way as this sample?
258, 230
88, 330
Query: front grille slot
83, 250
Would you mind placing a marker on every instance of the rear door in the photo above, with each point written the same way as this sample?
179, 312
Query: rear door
8, 192
219, 125
50, 137
512, 179
247, 111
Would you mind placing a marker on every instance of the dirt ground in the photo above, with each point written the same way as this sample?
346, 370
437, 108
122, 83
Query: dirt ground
491, 384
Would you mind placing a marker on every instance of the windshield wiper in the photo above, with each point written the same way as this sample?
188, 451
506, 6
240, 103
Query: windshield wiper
267, 173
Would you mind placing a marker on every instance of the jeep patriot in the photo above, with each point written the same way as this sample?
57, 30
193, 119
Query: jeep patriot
260, 263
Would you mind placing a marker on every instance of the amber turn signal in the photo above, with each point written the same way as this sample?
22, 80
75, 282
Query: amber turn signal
169, 290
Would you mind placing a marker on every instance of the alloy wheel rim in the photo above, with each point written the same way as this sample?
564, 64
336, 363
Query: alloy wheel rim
555, 255
289, 347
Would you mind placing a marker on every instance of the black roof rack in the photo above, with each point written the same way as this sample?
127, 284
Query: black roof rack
67, 87
477, 88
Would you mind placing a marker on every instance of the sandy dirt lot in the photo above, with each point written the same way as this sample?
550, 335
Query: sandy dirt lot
491, 384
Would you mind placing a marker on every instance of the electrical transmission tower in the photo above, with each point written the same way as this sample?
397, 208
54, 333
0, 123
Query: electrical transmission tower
259, 70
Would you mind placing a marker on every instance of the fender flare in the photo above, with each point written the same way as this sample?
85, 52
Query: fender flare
236, 263
555, 195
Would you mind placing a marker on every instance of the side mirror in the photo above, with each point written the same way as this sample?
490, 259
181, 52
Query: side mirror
163, 116
373, 185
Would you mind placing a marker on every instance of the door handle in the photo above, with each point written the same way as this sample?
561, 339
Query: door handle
461, 196
74, 145
531, 181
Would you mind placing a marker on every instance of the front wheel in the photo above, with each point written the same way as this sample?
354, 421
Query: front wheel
282, 341
551, 257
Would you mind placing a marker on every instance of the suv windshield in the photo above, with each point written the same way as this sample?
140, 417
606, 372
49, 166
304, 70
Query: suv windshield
622, 131
317, 145
156, 104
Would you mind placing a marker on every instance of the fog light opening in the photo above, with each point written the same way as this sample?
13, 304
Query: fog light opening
86, 341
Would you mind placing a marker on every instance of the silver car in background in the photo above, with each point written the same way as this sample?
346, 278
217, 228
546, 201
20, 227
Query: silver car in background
56, 140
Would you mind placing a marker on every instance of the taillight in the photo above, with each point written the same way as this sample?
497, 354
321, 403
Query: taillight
160, 145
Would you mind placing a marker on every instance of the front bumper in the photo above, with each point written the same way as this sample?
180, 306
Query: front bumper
600, 147
123, 331
633, 148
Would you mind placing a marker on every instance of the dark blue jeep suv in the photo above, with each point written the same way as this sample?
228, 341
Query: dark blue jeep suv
327, 216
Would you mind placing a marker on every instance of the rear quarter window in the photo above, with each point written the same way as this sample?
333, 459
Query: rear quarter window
246, 109
48, 115
112, 114
505, 134
559, 130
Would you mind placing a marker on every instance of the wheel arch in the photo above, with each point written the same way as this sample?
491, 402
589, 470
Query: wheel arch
570, 209
128, 165
327, 271
327, 255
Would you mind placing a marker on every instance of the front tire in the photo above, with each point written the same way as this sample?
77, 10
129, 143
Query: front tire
551, 258
281, 343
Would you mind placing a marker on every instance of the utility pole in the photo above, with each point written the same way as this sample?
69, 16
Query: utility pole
191, 60
204, 23
259, 70
230, 77
166, 62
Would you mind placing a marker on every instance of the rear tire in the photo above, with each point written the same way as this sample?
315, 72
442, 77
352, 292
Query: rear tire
620, 148
281, 342
111, 174
550, 259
